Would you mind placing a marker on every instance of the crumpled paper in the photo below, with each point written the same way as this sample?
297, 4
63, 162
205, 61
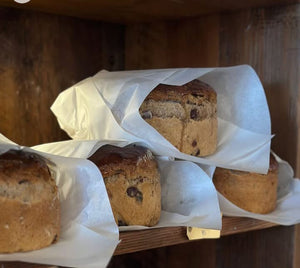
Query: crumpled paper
287, 211
89, 234
105, 107
188, 194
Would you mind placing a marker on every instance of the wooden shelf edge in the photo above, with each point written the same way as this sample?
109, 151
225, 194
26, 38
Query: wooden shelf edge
134, 241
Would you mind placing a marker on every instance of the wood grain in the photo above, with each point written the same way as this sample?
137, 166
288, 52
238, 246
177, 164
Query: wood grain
41, 55
154, 238
128, 11
173, 44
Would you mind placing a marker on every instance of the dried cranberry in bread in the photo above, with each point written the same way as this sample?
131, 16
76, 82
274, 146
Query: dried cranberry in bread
253, 192
29, 203
185, 115
132, 181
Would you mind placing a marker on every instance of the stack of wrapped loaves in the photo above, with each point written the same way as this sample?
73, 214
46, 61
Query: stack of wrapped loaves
169, 147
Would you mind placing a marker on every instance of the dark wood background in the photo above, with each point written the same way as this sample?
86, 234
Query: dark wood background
42, 54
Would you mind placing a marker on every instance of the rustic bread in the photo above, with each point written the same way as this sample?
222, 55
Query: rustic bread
185, 115
29, 203
132, 181
253, 192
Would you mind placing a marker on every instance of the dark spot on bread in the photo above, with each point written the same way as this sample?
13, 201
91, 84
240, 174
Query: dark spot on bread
146, 115
194, 114
22, 181
132, 191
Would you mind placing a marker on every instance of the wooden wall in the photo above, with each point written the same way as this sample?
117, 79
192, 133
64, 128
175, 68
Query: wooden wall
268, 39
42, 55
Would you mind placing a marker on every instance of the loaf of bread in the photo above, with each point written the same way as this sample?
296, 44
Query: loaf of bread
185, 115
29, 203
253, 192
132, 181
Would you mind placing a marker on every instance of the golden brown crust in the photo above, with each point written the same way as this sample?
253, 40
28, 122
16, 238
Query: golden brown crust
253, 192
132, 181
185, 115
29, 203
197, 90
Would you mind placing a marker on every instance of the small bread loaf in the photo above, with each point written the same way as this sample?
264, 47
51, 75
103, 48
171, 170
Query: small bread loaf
132, 181
29, 203
253, 192
185, 115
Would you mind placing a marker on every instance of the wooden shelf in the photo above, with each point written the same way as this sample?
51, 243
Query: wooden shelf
147, 239
127, 11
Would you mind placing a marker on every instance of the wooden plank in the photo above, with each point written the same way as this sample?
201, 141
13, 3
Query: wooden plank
41, 55
263, 248
126, 11
191, 43
153, 238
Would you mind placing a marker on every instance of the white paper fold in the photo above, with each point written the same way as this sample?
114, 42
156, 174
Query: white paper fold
287, 211
188, 194
106, 105
89, 234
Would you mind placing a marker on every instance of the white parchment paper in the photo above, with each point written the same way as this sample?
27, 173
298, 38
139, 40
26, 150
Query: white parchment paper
89, 234
106, 105
287, 211
188, 194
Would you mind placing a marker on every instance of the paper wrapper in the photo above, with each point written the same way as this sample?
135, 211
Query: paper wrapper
287, 211
105, 107
188, 194
89, 234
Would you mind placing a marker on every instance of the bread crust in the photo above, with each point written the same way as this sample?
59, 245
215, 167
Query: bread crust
250, 191
29, 203
185, 115
132, 181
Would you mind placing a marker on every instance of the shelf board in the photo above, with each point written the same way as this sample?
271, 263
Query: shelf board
135, 241
128, 11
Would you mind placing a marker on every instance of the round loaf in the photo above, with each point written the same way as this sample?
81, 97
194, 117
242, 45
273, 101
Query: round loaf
132, 182
185, 115
29, 203
253, 192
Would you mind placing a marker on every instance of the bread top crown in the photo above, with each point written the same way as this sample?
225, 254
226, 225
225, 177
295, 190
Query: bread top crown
25, 176
21, 162
110, 154
196, 88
